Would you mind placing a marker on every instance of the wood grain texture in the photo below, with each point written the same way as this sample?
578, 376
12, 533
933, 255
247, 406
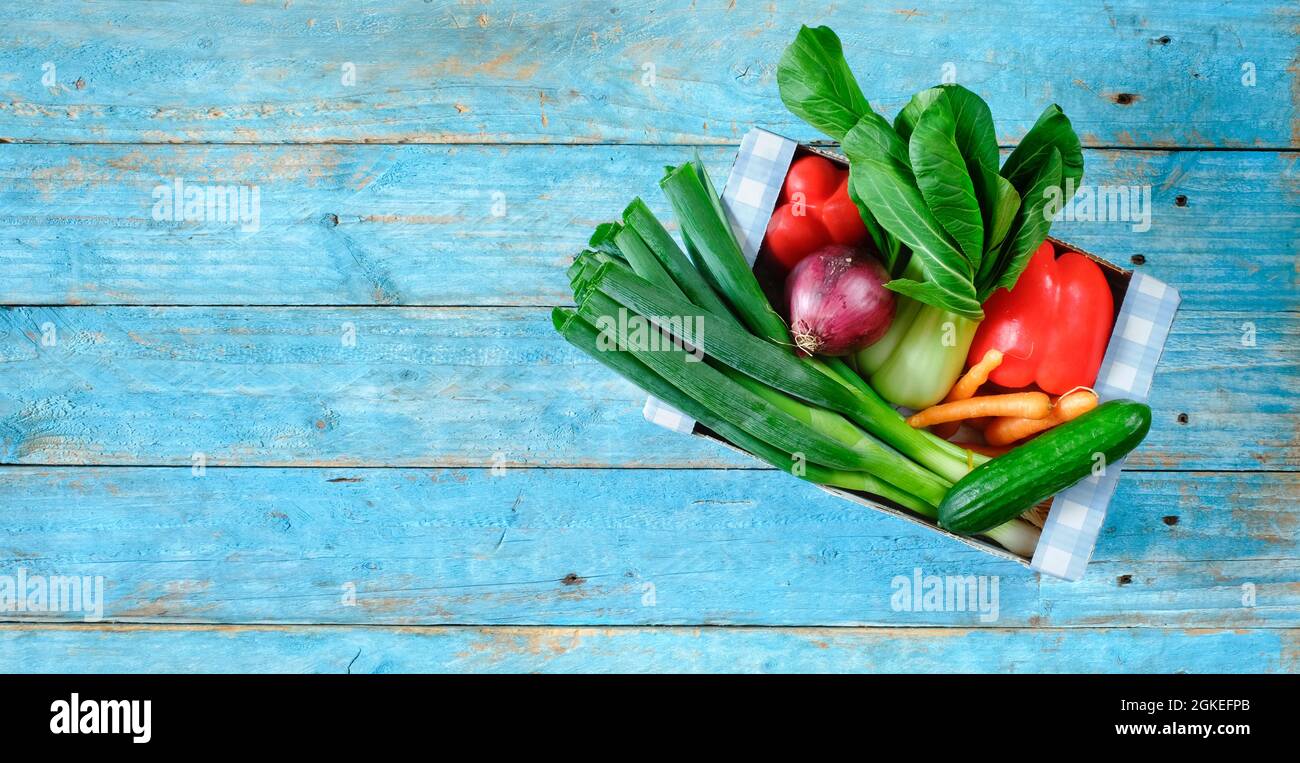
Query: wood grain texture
616, 547
474, 387
494, 225
1127, 73
133, 342
265, 649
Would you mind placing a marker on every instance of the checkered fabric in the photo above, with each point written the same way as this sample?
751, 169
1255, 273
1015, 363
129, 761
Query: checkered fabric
1070, 532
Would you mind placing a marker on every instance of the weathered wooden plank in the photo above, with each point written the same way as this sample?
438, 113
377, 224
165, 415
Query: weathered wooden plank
477, 386
617, 547
304, 649
479, 225
1145, 593
1196, 73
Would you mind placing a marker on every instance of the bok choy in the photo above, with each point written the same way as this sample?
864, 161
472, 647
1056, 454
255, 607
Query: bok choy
950, 224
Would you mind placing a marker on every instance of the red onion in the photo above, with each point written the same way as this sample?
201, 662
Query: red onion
838, 301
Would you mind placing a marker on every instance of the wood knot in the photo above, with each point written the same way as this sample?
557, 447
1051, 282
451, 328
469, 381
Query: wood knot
1180, 200
1138, 259
1182, 418
1170, 520
1124, 579
572, 579
1124, 99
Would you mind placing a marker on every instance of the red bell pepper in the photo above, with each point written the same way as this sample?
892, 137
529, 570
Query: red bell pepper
814, 210
1052, 328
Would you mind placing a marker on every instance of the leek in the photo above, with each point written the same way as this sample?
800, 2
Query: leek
1016, 535
705, 228
585, 337
884, 462
644, 262
639, 218
712, 389
779, 368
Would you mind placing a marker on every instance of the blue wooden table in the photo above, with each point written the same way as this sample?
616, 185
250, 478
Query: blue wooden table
343, 436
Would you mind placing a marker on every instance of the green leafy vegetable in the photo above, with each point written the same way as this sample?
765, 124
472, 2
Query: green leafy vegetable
1031, 224
944, 181
882, 177
817, 85
1052, 130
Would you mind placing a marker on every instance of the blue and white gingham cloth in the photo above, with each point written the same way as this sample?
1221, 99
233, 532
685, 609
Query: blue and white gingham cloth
1072, 526
1070, 533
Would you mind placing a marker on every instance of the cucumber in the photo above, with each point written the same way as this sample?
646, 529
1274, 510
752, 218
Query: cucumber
1009, 485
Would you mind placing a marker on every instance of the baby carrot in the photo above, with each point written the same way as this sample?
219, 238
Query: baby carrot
1029, 405
967, 386
1071, 405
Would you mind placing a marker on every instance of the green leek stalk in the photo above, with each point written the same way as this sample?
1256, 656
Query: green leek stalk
779, 368
905, 474
718, 255
1016, 535
886, 463
922, 354
638, 217
714, 390
585, 337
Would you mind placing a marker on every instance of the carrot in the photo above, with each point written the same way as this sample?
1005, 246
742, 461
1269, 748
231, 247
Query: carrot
970, 383
1071, 405
967, 386
1029, 405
